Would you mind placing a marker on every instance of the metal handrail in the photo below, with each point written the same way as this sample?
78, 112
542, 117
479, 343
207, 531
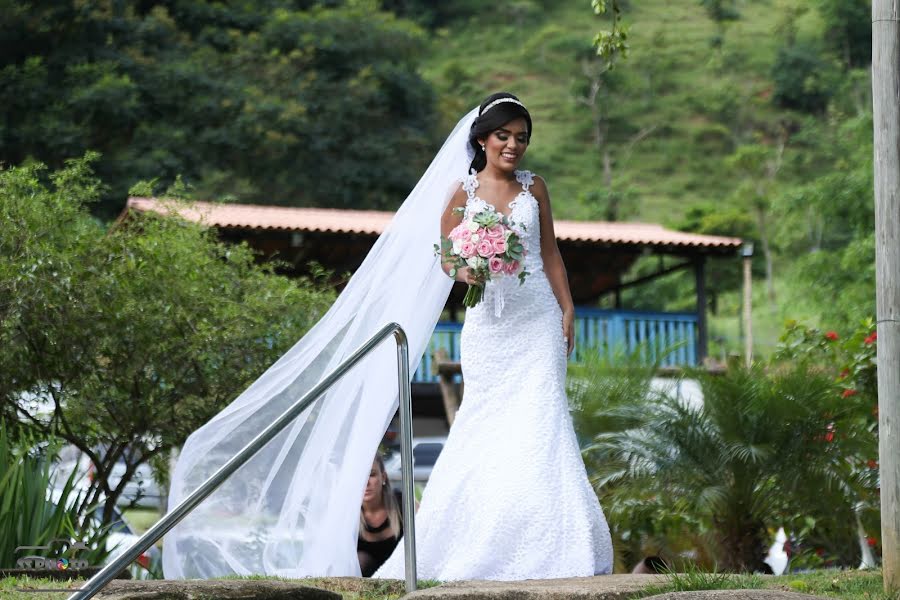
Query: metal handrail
173, 517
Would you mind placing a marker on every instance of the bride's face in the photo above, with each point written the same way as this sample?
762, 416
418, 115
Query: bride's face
506, 145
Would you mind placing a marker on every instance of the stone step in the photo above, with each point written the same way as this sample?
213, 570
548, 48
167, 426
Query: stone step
606, 587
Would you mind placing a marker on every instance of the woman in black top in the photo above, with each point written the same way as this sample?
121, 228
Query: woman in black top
380, 525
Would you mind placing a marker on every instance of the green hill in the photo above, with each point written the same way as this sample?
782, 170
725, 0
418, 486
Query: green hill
699, 134
698, 103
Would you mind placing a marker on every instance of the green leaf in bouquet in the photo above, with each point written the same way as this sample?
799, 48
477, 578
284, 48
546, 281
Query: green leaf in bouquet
453, 273
459, 210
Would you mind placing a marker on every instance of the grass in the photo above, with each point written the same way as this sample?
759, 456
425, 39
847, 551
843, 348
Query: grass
28, 588
846, 585
141, 519
693, 580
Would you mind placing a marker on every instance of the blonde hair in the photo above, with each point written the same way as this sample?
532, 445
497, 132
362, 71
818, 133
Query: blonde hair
387, 499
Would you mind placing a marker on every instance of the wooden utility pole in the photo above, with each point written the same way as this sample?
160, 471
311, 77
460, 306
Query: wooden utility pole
886, 116
747, 254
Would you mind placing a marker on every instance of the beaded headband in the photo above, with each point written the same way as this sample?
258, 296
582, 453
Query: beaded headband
500, 101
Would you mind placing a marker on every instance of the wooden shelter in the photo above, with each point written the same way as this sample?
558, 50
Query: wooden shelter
598, 256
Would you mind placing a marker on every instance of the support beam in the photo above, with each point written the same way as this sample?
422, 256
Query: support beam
700, 283
886, 119
650, 277
747, 254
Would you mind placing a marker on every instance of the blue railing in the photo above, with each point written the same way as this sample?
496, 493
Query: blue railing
669, 338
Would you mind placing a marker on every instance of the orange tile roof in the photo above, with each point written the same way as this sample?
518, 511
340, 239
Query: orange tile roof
373, 222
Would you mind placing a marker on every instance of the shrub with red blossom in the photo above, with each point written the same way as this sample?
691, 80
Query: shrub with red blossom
851, 358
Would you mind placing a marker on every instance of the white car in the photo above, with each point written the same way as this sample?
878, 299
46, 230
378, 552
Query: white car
425, 453
141, 490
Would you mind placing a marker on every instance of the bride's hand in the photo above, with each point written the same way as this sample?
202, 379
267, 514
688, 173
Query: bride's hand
466, 275
568, 324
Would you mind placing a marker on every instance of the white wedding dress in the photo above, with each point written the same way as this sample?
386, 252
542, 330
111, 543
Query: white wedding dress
509, 497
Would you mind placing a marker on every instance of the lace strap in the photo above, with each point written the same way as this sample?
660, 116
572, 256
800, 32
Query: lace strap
526, 178
470, 183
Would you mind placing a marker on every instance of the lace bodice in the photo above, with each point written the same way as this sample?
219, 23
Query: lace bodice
523, 215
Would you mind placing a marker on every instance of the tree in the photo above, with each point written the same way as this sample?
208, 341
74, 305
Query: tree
759, 166
122, 342
848, 30
274, 101
721, 12
595, 92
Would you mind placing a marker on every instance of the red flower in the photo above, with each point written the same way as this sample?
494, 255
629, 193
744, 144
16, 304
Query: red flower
820, 552
829, 437
831, 335
844, 374
872, 542
873, 464
871, 339
848, 392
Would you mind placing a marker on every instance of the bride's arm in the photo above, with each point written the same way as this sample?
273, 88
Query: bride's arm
449, 220
553, 262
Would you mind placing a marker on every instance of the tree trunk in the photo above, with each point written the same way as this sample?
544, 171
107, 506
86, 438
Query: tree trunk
612, 201
767, 255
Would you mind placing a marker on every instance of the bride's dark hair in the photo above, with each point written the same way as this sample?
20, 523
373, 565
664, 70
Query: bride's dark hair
493, 118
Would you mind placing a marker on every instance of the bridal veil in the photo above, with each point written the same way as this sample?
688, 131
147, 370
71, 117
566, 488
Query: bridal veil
292, 510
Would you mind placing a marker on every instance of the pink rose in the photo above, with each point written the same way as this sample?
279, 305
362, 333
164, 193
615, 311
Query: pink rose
495, 264
460, 232
499, 245
467, 249
495, 232
485, 248
512, 267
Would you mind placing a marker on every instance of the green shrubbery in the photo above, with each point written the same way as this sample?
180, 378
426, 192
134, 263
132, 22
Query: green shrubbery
124, 341
790, 443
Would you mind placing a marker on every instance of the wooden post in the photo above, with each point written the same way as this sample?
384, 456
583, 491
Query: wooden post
886, 117
700, 282
747, 253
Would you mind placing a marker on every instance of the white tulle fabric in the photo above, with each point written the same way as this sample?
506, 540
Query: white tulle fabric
509, 497
293, 510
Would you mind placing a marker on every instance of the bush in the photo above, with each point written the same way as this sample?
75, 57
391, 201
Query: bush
803, 80
123, 342
764, 449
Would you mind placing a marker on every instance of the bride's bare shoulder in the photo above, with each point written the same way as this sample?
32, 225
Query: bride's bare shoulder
539, 189
459, 196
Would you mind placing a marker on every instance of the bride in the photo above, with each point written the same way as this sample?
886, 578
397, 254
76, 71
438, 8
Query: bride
509, 497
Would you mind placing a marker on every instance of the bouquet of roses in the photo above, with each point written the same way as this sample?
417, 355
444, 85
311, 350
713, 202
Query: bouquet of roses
487, 244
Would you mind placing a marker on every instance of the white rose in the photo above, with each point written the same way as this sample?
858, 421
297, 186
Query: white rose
457, 246
472, 226
476, 262
475, 238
